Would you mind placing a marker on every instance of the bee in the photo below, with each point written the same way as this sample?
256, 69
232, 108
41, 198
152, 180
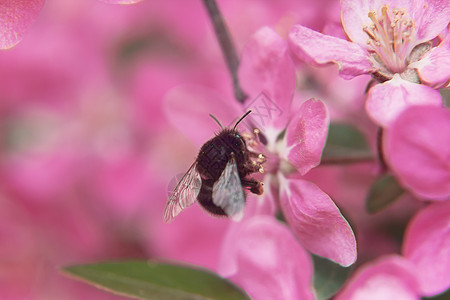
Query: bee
218, 177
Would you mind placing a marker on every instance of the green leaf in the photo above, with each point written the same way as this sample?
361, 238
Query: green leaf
445, 93
443, 296
383, 192
329, 277
345, 141
153, 280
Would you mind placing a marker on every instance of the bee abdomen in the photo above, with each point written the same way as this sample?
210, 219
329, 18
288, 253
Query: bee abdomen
204, 198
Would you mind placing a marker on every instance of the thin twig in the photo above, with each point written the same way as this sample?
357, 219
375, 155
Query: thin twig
227, 46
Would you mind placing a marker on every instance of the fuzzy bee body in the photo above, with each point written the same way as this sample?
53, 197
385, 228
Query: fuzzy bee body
212, 161
217, 178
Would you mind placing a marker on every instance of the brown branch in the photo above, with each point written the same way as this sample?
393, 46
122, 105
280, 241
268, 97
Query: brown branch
227, 46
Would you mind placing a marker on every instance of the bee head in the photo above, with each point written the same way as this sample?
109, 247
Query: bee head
234, 142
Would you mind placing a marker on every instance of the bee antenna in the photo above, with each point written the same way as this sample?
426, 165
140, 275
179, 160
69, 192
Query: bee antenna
242, 118
215, 119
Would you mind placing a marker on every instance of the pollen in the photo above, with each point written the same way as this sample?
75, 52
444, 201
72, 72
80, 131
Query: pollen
390, 37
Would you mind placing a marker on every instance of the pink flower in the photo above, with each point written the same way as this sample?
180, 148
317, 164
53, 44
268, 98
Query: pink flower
389, 277
294, 145
264, 258
393, 42
427, 246
16, 17
423, 270
294, 142
417, 150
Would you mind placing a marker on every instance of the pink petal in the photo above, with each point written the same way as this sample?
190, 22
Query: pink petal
431, 17
354, 15
314, 47
267, 261
417, 149
193, 237
306, 135
434, 67
188, 108
387, 100
317, 222
16, 17
427, 246
121, 1
266, 67
389, 277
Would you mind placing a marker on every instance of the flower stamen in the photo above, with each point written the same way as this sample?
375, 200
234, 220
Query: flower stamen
389, 37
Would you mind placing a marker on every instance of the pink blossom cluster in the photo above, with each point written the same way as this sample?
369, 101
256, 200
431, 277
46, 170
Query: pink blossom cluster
101, 105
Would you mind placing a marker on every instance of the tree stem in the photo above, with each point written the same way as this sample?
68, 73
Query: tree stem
227, 46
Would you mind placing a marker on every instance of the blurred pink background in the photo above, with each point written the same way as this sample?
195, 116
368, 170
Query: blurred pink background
88, 151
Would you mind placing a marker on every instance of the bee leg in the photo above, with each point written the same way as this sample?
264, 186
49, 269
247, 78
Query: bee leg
256, 187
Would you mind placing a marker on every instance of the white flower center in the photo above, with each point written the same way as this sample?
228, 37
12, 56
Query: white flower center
390, 38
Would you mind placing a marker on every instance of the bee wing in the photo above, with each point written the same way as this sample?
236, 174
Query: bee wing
227, 191
184, 194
